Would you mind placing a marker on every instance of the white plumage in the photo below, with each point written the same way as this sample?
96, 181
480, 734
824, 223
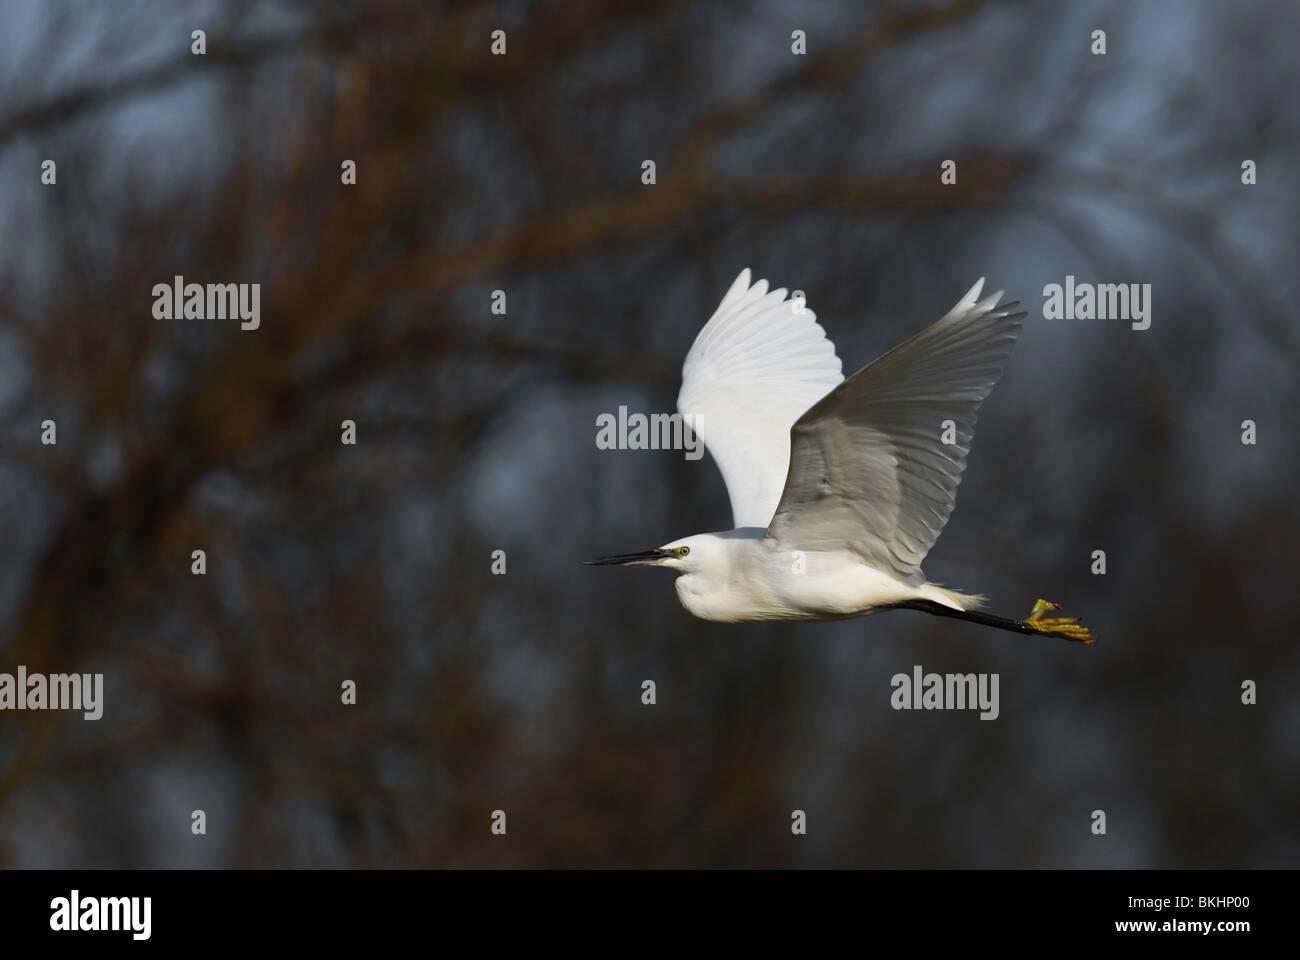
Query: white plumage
753, 369
838, 488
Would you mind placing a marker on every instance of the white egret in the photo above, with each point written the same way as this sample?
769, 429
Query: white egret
838, 487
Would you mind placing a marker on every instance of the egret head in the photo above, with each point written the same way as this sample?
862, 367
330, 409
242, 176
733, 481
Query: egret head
684, 555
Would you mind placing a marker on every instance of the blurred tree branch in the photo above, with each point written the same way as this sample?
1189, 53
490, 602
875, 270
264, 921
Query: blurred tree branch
107, 547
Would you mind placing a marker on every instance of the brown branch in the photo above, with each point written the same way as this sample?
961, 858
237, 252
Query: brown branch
99, 562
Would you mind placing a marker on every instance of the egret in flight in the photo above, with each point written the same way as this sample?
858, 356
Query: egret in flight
838, 487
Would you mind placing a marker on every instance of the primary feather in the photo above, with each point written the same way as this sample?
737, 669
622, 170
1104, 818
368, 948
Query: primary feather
870, 468
755, 366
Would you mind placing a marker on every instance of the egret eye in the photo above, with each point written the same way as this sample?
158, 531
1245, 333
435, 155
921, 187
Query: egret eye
682, 551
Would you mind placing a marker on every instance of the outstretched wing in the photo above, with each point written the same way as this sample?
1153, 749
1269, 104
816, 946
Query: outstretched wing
870, 471
759, 363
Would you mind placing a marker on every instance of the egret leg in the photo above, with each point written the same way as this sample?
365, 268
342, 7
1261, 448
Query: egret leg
1067, 627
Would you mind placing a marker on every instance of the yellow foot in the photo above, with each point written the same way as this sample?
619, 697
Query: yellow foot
1067, 627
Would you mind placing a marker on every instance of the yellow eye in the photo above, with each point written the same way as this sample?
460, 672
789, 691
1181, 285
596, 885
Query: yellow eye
682, 551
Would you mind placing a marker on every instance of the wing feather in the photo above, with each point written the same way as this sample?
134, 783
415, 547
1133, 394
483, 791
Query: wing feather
869, 469
755, 366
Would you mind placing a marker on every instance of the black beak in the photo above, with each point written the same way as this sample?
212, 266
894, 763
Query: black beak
627, 559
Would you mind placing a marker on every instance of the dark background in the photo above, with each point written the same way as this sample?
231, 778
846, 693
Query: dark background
477, 432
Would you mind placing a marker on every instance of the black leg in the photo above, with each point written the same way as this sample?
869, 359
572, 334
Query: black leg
974, 616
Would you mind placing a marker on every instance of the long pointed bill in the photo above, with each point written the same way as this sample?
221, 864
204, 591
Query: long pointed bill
650, 558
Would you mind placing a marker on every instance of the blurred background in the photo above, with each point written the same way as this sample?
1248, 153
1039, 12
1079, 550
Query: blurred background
476, 431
